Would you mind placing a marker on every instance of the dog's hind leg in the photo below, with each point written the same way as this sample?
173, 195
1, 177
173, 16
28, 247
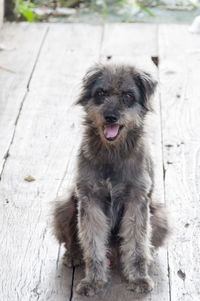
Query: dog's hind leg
159, 223
65, 229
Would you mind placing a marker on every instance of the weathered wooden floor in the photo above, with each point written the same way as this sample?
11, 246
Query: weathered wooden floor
40, 73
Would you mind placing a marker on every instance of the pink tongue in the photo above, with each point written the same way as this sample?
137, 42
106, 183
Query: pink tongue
110, 131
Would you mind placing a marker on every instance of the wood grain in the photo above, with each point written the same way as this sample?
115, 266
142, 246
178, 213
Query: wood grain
180, 94
22, 44
129, 40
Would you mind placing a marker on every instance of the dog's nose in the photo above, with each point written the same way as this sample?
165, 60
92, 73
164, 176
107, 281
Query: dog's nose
111, 118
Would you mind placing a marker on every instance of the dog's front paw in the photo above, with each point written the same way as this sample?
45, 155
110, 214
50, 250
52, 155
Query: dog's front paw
72, 261
141, 285
90, 288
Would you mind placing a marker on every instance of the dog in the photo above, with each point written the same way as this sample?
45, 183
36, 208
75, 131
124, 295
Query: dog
111, 203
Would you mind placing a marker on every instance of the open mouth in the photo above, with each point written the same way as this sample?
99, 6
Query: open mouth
111, 131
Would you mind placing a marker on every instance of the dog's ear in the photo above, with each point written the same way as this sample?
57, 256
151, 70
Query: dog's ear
89, 81
147, 86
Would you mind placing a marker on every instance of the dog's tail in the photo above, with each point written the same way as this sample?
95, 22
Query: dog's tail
159, 223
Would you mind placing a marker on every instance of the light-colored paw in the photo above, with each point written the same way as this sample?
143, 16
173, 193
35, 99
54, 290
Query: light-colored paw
90, 288
143, 285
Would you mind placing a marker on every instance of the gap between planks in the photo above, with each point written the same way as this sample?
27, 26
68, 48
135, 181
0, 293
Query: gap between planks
6, 156
162, 149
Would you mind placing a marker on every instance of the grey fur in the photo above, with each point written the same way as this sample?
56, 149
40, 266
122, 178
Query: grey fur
111, 204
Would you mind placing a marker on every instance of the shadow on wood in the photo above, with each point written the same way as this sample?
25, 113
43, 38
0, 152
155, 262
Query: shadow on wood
116, 289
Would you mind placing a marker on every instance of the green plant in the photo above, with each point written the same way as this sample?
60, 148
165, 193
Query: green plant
104, 5
23, 10
144, 8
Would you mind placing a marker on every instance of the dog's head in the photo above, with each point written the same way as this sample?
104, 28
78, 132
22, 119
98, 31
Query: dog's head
116, 99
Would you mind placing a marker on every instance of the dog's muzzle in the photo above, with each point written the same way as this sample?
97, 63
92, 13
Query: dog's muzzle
111, 131
111, 128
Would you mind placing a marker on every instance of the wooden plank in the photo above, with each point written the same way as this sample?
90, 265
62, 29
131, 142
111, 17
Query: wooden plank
180, 94
128, 40
123, 43
45, 139
22, 44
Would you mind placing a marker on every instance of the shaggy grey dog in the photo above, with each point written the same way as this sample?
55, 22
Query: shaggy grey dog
111, 206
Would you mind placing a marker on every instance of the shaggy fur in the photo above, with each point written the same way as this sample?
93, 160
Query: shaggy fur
111, 204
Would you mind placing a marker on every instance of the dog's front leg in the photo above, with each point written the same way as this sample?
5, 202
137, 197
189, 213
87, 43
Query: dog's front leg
93, 232
135, 247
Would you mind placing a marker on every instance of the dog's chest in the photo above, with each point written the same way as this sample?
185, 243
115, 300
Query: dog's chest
113, 204
110, 173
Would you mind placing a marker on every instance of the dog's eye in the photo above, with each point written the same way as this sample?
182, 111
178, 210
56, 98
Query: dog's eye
99, 96
100, 93
129, 96
128, 99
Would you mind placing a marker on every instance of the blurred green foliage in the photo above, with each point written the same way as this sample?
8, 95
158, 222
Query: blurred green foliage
23, 10
26, 9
